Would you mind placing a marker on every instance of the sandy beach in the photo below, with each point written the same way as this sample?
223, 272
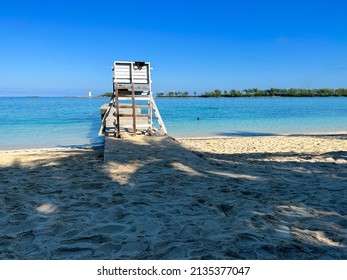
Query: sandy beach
271, 197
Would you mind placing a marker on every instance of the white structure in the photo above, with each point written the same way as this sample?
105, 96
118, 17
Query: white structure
132, 104
90, 93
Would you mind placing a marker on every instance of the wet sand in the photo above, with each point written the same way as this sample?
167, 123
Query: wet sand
275, 197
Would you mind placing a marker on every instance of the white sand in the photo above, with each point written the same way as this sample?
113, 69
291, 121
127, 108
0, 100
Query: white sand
239, 198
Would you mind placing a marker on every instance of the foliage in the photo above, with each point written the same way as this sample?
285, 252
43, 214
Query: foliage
106, 94
174, 94
255, 92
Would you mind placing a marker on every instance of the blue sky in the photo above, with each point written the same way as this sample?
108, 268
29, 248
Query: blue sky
68, 47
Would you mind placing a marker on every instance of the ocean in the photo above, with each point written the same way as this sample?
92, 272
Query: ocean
47, 122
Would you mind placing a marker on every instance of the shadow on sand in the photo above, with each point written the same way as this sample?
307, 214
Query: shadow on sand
157, 200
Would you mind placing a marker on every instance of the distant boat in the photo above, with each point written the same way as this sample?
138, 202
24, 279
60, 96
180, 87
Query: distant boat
90, 93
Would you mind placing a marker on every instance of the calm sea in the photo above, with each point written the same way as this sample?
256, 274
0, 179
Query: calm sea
65, 122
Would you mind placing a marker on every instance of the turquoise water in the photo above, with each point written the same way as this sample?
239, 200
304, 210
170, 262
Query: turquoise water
253, 116
49, 122
65, 122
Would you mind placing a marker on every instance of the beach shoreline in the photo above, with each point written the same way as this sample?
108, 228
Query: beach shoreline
265, 134
221, 137
269, 197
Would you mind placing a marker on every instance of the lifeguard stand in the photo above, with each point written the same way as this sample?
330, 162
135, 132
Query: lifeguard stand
132, 105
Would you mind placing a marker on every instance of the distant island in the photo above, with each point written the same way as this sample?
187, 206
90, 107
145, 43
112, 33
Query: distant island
255, 92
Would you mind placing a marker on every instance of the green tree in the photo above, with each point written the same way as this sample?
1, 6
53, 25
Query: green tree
217, 93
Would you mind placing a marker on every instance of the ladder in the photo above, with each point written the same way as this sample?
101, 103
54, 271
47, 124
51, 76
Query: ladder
132, 105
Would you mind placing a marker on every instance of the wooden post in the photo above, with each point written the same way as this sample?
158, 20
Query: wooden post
150, 98
117, 111
133, 105
157, 114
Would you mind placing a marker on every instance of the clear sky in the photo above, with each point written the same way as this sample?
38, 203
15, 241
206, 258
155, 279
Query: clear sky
68, 47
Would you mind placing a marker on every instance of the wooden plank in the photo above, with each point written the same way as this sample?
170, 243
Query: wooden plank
125, 105
140, 80
127, 111
117, 111
118, 73
127, 62
134, 111
130, 106
139, 126
123, 75
137, 94
140, 77
128, 74
150, 96
105, 111
140, 74
122, 71
136, 115
157, 114
127, 66
128, 81
140, 98
124, 66
135, 87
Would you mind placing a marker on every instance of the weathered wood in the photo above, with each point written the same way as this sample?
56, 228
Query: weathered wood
134, 111
130, 106
125, 122
127, 111
136, 115
160, 121
129, 93
136, 87
104, 114
127, 81
117, 111
132, 82
138, 98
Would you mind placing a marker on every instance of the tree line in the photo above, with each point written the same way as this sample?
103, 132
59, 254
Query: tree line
255, 92
174, 94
